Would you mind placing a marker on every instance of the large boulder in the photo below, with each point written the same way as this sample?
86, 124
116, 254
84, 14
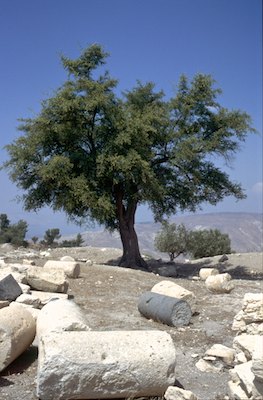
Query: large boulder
47, 280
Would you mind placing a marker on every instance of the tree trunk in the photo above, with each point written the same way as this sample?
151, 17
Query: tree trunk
131, 257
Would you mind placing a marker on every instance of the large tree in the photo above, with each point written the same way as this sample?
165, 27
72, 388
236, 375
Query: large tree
98, 156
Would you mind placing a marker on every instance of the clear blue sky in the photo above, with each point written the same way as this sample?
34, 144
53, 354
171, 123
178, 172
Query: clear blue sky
150, 40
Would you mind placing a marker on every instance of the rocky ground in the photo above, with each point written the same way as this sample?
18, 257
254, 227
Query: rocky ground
109, 297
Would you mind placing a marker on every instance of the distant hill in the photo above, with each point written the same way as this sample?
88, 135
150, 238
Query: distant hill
244, 229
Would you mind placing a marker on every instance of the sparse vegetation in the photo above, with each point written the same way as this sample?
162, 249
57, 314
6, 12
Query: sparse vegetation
50, 236
13, 233
72, 243
176, 239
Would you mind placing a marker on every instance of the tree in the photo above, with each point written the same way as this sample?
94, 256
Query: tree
208, 243
4, 222
50, 236
97, 156
13, 233
79, 240
172, 239
34, 239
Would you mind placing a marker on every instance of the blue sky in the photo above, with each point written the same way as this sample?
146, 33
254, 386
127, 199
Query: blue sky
150, 40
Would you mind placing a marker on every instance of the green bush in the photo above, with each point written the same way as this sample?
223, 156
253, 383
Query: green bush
13, 233
172, 239
208, 243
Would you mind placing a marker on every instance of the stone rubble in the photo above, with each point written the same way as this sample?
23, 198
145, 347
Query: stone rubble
220, 283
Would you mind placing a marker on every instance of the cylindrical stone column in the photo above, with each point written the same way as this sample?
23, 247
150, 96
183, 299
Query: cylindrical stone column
70, 268
165, 309
104, 365
17, 332
60, 315
204, 273
220, 283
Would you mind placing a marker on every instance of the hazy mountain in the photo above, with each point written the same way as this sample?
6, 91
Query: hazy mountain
244, 229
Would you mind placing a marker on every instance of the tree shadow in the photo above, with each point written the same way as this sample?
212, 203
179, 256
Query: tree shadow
21, 364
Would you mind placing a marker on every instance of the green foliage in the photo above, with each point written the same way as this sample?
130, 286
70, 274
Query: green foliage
97, 156
34, 239
73, 243
172, 239
50, 236
13, 233
208, 243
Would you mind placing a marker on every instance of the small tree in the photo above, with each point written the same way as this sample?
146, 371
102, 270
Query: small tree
79, 240
172, 239
208, 243
50, 236
34, 239
13, 233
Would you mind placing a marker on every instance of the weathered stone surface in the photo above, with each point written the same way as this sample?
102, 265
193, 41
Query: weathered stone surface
25, 288
9, 288
70, 268
237, 391
33, 311
246, 343
17, 332
204, 273
206, 366
19, 277
29, 299
46, 280
61, 315
220, 283
223, 352
45, 297
165, 309
257, 359
253, 307
243, 375
67, 258
176, 393
168, 288
113, 364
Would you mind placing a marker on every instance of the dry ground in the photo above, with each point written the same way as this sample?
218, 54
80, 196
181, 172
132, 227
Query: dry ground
109, 297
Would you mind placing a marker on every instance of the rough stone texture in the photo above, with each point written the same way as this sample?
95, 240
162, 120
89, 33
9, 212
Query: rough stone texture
250, 319
67, 258
204, 273
70, 268
220, 283
168, 288
246, 343
45, 297
114, 364
206, 366
9, 288
33, 311
17, 332
61, 315
29, 299
236, 391
46, 280
243, 376
25, 288
165, 309
257, 359
176, 393
223, 352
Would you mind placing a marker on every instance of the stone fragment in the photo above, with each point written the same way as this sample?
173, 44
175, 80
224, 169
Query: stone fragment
223, 258
70, 268
28, 262
18, 276
29, 299
33, 311
9, 288
253, 307
25, 288
61, 315
67, 258
220, 283
220, 351
45, 297
17, 332
204, 273
104, 365
165, 309
246, 343
206, 366
168, 288
176, 393
236, 391
46, 280
243, 375
257, 359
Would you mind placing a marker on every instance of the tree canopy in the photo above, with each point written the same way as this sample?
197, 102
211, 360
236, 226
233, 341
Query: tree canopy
97, 156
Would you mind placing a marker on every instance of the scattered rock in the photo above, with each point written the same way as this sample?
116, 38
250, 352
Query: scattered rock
9, 288
176, 393
204, 273
220, 283
47, 280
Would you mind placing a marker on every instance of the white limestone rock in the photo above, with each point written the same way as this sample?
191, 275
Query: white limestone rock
113, 364
224, 353
204, 273
70, 268
17, 332
220, 283
29, 299
47, 280
176, 393
171, 289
